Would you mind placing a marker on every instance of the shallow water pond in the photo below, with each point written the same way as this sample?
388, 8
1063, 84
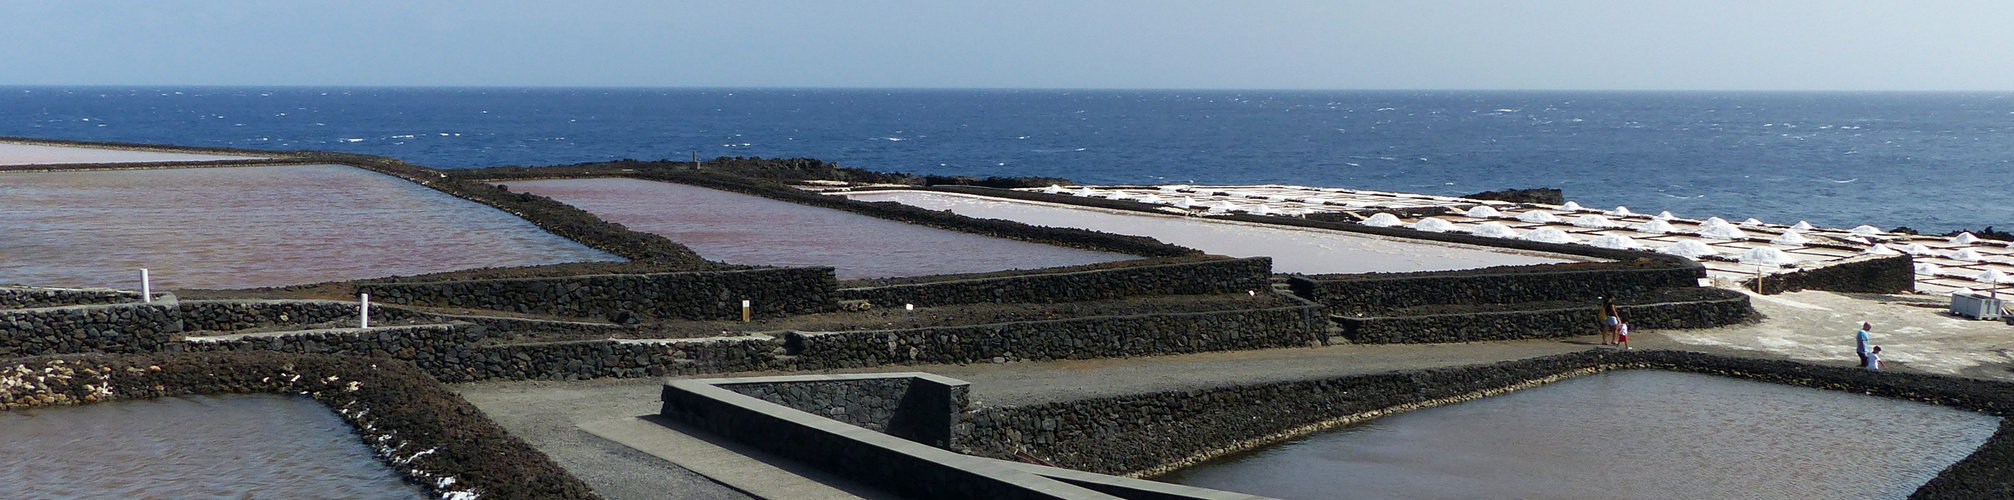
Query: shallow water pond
248, 446
1294, 250
244, 227
744, 229
1630, 434
14, 153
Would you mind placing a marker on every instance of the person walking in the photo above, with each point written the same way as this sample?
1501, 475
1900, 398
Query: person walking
1874, 358
1860, 341
1622, 334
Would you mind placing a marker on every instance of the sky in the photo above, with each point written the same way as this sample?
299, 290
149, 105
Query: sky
1161, 44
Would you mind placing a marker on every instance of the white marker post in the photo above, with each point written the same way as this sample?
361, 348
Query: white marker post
364, 312
744, 310
146, 287
909, 307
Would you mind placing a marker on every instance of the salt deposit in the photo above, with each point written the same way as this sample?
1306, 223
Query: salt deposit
1766, 256
1655, 226
1712, 222
1549, 235
1151, 199
1928, 268
1802, 226
1185, 203
1431, 224
1621, 212
1260, 209
1880, 249
1614, 241
1992, 276
1538, 216
1915, 249
1383, 220
1724, 231
1494, 230
1053, 189
1665, 215
1085, 192
1594, 221
1965, 239
1484, 212
1865, 230
1571, 207
1791, 238
1691, 249
1751, 222
1964, 254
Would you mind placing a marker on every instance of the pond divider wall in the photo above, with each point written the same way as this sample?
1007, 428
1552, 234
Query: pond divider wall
1863, 274
778, 415
916, 406
152, 327
1672, 309
684, 295
1348, 294
1155, 433
413, 424
22, 297
1206, 277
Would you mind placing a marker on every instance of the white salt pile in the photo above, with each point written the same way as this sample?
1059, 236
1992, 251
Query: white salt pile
1965, 239
1964, 254
1484, 212
1053, 189
1765, 256
1383, 220
1928, 268
1549, 235
1665, 215
1724, 231
1915, 249
1085, 192
1992, 276
1691, 249
1260, 209
1594, 221
1571, 207
1866, 230
1791, 238
1880, 249
1621, 212
1185, 203
1119, 195
1751, 222
1802, 226
1655, 226
1432, 224
1494, 230
1614, 241
1538, 216
1149, 198
1712, 222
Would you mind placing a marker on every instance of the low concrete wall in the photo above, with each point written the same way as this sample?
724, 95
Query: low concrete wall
1076, 338
1187, 278
1155, 433
1700, 308
1864, 274
685, 295
1375, 293
915, 406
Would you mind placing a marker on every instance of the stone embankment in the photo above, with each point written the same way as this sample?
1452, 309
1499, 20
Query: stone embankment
1205, 277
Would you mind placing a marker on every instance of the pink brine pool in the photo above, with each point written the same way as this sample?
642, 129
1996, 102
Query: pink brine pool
242, 227
14, 153
743, 229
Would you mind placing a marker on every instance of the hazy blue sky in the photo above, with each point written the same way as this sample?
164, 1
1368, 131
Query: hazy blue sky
1409, 44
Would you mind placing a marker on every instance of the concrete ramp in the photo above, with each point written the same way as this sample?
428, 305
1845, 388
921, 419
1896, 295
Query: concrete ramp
738, 466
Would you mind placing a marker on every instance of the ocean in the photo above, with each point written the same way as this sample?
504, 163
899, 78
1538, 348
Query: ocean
1931, 161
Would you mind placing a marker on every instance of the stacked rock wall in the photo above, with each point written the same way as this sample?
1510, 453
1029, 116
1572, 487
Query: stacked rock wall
1696, 308
918, 407
1187, 278
1865, 274
13, 297
685, 295
1076, 338
130, 328
1377, 292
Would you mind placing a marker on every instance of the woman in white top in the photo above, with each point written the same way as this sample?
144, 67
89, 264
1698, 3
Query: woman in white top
1874, 358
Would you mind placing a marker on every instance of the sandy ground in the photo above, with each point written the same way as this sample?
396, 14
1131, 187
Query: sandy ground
1915, 332
12, 153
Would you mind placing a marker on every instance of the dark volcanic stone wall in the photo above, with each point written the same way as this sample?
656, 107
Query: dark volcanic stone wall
1187, 278
1696, 308
12, 297
1076, 338
1378, 292
918, 407
133, 328
691, 295
1866, 274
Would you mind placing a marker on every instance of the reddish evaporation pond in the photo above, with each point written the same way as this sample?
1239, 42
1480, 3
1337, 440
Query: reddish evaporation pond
1294, 250
250, 446
743, 229
242, 227
12, 153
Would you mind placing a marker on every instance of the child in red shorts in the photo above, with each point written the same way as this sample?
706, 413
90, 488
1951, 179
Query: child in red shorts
1622, 334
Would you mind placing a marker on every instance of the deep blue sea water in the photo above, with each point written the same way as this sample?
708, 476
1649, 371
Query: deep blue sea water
1932, 161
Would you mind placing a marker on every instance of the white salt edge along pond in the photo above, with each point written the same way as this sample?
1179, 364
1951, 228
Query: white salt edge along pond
1294, 250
